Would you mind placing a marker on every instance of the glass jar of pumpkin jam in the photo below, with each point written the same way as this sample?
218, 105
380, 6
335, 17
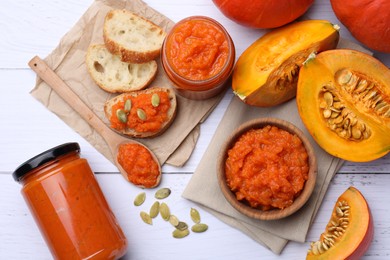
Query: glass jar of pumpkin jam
198, 56
267, 168
69, 207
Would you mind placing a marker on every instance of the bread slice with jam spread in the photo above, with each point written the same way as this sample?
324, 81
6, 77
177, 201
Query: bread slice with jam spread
142, 114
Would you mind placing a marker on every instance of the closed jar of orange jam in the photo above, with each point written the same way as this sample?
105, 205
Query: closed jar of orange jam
198, 57
69, 207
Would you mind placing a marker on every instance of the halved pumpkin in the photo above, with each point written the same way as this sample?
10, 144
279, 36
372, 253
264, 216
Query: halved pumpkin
343, 98
266, 73
349, 232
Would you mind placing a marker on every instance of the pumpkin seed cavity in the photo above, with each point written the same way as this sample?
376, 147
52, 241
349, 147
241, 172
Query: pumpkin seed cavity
334, 230
364, 92
288, 77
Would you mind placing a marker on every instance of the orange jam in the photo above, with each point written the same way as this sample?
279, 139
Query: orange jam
267, 168
155, 116
198, 49
198, 57
141, 168
69, 206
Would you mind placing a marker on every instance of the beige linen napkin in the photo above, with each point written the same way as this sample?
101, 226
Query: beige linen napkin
68, 60
272, 234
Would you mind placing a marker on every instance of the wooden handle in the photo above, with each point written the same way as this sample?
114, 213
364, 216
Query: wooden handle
63, 90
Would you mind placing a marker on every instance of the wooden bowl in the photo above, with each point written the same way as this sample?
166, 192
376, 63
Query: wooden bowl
243, 207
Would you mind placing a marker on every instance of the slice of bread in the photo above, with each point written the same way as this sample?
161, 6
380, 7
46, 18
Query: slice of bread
132, 132
132, 37
115, 76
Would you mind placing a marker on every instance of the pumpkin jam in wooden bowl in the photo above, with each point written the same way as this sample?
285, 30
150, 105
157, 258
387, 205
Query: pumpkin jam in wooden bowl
267, 169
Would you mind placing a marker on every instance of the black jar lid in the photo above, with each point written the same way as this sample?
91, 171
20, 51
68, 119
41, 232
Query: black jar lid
43, 158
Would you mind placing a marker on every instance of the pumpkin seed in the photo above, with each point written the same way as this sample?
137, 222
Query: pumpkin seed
173, 220
328, 97
199, 228
195, 216
155, 100
314, 248
154, 209
146, 218
139, 199
162, 193
339, 212
164, 211
121, 115
127, 107
141, 114
180, 233
182, 225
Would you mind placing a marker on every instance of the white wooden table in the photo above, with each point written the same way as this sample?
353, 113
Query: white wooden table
32, 27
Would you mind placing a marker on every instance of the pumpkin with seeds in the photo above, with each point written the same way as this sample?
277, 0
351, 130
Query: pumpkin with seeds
349, 232
141, 114
343, 98
266, 73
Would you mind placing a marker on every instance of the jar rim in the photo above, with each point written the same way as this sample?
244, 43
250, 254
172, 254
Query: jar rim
43, 158
195, 83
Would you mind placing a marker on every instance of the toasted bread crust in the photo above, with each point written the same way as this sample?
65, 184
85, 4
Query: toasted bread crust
131, 132
115, 76
132, 37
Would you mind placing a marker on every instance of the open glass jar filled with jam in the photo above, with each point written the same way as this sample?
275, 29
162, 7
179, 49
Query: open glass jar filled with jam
69, 207
198, 57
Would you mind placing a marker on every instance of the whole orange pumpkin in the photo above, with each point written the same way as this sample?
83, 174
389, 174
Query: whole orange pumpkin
367, 20
263, 13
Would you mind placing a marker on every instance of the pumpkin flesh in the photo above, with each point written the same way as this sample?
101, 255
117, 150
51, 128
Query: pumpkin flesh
357, 128
266, 73
349, 232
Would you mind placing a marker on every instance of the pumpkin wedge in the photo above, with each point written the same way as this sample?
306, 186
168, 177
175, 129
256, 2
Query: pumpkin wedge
266, 73
343, 98
349, 232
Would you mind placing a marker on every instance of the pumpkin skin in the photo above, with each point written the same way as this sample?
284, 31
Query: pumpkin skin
266, 73
355, 239
263, 13
360, 87
367, 20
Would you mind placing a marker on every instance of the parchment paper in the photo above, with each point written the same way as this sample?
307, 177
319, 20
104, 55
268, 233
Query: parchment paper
68, 60
272, 234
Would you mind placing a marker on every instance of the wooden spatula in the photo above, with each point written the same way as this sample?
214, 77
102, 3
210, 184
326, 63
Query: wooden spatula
112, 139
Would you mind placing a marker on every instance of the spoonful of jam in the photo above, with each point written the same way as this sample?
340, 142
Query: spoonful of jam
137, 163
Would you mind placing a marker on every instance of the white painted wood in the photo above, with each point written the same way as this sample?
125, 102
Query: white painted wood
32, 27
20, 238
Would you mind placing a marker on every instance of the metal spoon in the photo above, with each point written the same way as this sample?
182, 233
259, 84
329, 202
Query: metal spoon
112, 139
